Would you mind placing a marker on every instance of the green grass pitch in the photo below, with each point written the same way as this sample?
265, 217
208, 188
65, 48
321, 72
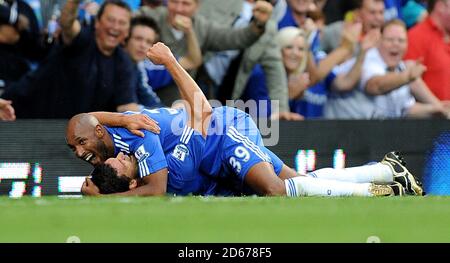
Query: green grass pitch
248, 219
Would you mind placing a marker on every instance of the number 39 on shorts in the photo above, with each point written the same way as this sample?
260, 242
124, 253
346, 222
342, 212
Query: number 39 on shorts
241, 153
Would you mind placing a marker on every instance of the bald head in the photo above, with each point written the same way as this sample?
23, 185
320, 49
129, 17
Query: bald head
88, 139
84, 120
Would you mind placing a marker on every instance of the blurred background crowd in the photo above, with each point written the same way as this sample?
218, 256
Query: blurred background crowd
279, 59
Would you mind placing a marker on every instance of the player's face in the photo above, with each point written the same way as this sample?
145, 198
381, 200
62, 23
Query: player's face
112, 27
141, 39
294, 53
393, 44
124, 165
87, 144
372, 14
181, 7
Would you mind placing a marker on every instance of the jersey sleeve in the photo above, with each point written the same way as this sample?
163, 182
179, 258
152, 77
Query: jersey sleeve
149, 155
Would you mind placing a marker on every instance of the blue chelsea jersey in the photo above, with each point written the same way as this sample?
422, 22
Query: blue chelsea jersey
151, 150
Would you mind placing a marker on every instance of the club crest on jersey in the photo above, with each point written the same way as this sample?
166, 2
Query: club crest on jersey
180, 152
141, 154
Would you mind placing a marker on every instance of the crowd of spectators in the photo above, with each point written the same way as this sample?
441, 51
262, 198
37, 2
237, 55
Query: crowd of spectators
279, 59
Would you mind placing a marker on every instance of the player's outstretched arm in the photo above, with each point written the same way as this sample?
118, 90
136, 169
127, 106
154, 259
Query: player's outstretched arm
198, 107
133, 122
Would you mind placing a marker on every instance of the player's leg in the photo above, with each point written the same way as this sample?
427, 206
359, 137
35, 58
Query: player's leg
250, 160
253, 165
248, 164
263, 180
373, 173
334, 187
308, 186
391, 169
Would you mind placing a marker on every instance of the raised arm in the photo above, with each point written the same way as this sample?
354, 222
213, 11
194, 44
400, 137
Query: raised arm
132, 122
70, 26
198, 107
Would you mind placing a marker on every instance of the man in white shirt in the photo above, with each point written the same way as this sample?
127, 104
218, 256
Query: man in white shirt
389, 87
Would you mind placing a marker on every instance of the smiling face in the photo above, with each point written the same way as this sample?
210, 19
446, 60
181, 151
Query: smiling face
294, 53
88, 139
124, 165
393, 44
112, 27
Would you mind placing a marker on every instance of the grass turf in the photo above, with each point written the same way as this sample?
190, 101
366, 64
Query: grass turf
195, 219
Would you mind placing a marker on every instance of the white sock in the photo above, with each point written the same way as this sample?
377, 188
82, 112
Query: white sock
374, 173
307, 186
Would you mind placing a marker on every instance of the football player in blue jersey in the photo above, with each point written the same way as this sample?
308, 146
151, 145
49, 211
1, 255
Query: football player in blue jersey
231, 159
177, 142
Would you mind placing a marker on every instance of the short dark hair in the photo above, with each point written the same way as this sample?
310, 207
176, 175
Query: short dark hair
119, 3
108, 182
145, 21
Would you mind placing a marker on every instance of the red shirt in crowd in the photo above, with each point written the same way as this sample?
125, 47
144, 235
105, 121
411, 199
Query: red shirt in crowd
426, 41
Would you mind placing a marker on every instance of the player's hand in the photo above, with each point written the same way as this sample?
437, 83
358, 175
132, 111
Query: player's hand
287, 116
135, 122
160, 54
7, 112
89, 188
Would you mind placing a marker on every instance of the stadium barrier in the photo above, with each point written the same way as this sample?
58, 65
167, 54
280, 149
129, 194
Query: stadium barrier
34, 158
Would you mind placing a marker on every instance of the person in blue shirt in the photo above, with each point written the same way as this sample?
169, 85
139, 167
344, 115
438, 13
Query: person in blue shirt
95, 143
226, 156
156, 155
